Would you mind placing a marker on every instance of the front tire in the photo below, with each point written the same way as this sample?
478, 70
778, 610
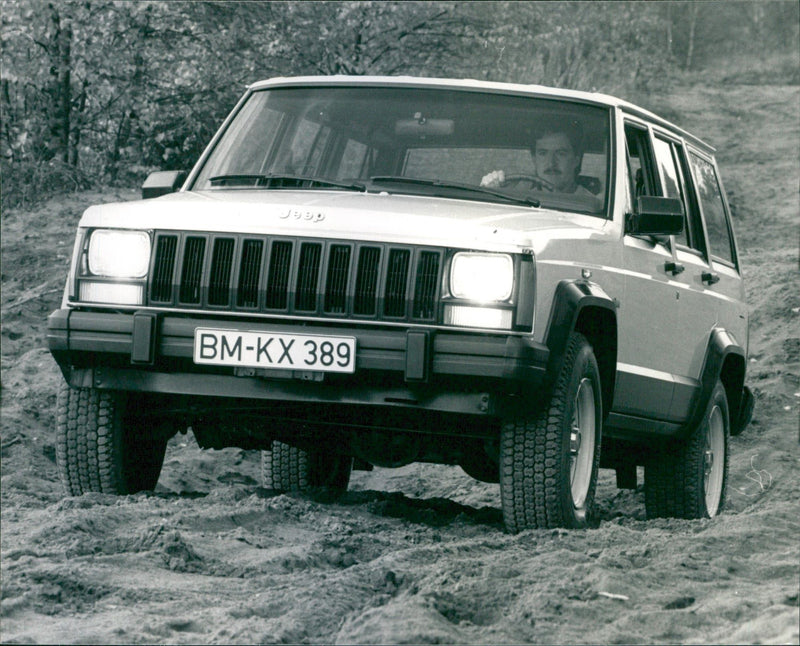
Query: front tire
104, 445
288, 468
549, 461
689, 479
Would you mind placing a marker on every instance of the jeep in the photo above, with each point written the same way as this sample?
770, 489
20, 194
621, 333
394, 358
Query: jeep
529, 282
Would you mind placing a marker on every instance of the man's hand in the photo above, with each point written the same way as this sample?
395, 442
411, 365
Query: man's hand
494, 179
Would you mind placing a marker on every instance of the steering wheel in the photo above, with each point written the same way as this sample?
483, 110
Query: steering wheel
536, 182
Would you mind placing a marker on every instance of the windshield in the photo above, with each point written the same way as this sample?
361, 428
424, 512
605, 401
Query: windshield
448, 143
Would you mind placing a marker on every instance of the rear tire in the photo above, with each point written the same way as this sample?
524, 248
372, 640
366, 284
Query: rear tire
288, 468
549, 462
688, 479
102, 445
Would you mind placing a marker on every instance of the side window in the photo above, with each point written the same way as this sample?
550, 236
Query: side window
640, 162
710, 196
666, 164
670, 158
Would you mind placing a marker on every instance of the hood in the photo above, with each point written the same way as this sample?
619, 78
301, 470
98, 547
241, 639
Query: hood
384, 217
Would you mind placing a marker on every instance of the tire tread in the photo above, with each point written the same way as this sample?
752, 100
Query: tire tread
531, 457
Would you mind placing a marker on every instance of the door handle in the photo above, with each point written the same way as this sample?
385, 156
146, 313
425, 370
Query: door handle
674, 268
709, 278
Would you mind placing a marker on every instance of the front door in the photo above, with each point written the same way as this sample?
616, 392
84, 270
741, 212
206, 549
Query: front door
651, 353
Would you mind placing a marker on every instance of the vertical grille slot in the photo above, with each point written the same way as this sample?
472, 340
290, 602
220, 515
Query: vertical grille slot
336, 280
426, 283
307, 277
219, 285
163, 269
394, 303
280, 264
192, 270
249, 273
367, 281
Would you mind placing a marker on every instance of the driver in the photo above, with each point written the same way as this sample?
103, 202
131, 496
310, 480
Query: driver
557, 156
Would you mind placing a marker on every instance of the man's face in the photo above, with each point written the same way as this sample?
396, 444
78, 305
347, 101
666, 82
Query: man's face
556, 161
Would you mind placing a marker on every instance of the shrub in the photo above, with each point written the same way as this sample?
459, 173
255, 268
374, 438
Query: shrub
28, 182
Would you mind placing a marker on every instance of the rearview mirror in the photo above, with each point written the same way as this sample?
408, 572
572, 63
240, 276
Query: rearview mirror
656, 216
420, 126
162, 182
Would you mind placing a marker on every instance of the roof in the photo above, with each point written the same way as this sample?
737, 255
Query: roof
473, 85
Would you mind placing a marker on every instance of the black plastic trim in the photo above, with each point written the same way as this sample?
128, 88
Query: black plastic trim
571, 297
633, 427
721, 346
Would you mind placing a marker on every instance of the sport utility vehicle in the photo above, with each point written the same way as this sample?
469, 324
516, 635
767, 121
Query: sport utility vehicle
375, 271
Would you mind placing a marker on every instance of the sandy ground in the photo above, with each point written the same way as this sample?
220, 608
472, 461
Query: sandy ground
418, 554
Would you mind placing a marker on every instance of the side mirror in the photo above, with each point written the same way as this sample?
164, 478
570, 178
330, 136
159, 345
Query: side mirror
656, 216
163, 182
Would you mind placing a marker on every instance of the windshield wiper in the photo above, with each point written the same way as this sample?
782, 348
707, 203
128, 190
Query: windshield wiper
274, 180
482, 190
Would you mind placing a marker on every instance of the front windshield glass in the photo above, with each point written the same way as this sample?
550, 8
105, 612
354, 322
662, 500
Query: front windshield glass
448, 143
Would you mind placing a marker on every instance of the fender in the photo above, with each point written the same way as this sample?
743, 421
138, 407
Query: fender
571, 299
725, 360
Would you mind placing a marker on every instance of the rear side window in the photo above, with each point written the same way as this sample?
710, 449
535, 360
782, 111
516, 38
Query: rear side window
710, 196
672, 164
670, 179
669, 171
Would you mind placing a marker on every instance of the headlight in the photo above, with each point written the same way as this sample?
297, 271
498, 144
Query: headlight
119, 254
482, 277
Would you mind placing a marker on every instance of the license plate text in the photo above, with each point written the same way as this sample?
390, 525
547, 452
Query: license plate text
270, 350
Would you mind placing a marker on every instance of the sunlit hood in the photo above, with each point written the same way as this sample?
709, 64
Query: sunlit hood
356, 216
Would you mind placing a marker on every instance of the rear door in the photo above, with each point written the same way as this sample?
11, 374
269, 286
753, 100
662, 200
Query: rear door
722, 282
688, 273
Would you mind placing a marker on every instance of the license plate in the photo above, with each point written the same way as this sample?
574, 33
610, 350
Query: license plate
271, 350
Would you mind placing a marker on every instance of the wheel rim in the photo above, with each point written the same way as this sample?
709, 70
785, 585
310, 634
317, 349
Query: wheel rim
581, 443
714, 460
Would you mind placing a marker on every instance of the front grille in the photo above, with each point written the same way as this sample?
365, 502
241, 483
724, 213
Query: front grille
365, 301
280, 264
192, 272
249, 274
161, 282
219, 283
307, 277
336, 282
301, 276
394, 302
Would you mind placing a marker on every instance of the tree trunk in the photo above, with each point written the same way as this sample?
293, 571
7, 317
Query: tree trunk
75, 138
60, 51
694, 9
65, 88
669, 29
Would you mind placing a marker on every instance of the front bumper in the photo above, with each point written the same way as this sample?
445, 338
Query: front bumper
444, 370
